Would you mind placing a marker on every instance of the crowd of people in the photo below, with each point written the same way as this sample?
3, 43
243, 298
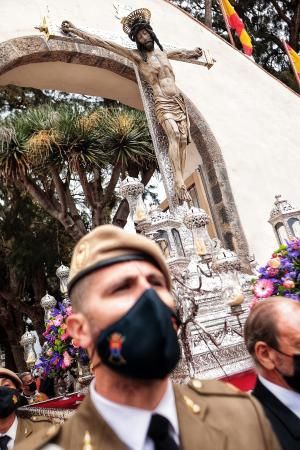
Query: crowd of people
124, 316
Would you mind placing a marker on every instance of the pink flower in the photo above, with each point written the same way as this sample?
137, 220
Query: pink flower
288, 284
67, 359
69, 310
263, 288
274, 263
272, 272
64, 336
58, 320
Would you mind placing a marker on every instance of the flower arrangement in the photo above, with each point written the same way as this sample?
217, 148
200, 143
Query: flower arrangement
60, 353
281, 275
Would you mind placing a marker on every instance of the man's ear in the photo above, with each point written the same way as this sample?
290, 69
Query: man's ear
263, 355
79, 330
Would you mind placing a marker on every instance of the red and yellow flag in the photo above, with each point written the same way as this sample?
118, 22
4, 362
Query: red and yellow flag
294, 58
237, 24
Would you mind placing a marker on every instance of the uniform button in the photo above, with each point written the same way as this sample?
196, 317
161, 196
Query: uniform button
197, 384
196, 408
52, 430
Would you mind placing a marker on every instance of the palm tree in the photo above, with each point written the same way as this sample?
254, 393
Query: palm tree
70, 159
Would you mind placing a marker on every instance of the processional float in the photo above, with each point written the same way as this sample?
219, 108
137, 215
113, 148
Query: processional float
211, 292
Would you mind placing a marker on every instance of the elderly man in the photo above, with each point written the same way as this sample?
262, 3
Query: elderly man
272, 336
124, 315
14, 429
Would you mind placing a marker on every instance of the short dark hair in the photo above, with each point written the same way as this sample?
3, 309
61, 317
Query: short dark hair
261, 326
78, 294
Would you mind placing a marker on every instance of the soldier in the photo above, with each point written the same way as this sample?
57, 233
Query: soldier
124, 315
14, 429
30, 390
154, 65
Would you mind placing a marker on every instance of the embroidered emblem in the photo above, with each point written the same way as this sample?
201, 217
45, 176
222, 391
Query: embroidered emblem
14, 399
115, 346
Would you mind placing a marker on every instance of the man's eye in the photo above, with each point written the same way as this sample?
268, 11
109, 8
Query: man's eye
158, 283
121, 287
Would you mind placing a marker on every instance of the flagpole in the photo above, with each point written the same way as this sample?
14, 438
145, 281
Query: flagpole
227, 23
292, 63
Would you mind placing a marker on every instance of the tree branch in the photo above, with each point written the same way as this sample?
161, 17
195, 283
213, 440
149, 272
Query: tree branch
280, 12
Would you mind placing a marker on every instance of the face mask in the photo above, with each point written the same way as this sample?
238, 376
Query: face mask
32, 386
292, 380
143, 343
9, 399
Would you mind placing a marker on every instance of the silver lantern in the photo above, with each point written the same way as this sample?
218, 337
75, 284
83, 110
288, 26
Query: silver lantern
48, 302
27, 341
132, 189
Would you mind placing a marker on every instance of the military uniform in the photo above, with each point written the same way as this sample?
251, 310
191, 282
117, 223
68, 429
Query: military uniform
212, 416
29, 426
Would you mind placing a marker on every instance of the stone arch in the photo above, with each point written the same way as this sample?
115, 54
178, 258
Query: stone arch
35, 49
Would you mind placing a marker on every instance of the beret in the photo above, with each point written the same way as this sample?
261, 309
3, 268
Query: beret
106, 245
6, 373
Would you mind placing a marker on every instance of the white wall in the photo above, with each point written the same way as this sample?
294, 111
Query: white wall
254, 118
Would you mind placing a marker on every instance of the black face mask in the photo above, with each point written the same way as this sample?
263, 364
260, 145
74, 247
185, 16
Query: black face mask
292, 380
143, 343
9, 399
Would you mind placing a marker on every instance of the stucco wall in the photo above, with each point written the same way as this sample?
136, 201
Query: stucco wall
254, 117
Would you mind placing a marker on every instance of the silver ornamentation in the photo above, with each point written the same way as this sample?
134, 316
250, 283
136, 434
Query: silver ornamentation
27, 341
48, 302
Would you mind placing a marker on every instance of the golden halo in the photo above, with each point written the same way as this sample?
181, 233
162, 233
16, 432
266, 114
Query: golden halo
138, 15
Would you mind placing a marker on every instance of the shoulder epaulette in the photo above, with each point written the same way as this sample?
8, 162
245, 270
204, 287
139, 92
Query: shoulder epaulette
215, 387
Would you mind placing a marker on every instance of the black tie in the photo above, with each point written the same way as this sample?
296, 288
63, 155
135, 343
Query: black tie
4, 440
159, 433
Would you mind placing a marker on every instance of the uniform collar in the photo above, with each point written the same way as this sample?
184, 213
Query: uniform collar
289, 398
12, 431
123, 418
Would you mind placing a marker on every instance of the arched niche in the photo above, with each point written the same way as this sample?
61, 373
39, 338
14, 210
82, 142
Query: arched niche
75, 67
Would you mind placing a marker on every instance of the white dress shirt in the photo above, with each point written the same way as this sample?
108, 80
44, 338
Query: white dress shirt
11, 432
131, 424
290, 399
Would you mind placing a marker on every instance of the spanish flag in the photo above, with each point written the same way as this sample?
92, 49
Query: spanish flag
294, 58
237, 24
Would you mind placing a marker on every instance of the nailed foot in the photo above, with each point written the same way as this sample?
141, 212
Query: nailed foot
183, 195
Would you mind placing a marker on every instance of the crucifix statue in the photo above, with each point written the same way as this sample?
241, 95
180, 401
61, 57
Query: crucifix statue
154, 65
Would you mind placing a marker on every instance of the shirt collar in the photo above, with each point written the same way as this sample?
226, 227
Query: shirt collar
290, 399
12, 431
122, 418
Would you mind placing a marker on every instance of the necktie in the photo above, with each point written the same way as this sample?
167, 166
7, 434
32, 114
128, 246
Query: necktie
159, 433
4, 440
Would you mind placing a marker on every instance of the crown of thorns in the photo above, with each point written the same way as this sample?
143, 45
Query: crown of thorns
139, 16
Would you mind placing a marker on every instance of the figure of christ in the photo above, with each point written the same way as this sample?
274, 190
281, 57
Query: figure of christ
154, 65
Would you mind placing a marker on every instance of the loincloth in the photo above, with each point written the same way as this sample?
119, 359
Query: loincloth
173, 108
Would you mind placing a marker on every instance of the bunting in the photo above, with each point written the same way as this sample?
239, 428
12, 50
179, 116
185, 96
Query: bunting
294, 58
237, 24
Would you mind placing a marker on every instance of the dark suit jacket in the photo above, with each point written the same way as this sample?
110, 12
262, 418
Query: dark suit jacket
285, 423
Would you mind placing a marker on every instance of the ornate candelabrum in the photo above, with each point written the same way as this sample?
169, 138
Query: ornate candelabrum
227, 265
27, 341
196, 220
62, 274
48, 302
132, 189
